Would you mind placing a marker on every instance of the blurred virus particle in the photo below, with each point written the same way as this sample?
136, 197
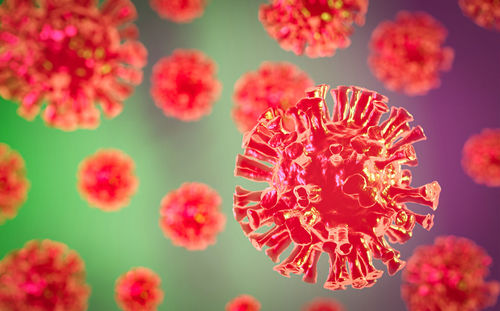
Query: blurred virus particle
179, 11
243, 303
316, 27
273, 85
184, 85
190, 216
485, 13
106, 179
481, 157
70, 55
335, 185
449, 276
43, 276
323, 304
13, 183
138, 290
407, 54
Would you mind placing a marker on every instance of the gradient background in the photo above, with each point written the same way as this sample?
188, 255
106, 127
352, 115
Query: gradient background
168, 152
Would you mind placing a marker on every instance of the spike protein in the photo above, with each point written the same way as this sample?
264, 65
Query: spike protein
179, 11
485, 13
71, 55
138, 290
481, 157
335, 185
323, 304
243, 303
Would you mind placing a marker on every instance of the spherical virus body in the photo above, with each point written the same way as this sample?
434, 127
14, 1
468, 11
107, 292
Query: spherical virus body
314, 27
335, 185
43, 276
71, 55
449, 276
106, 179
243, 303
407, 54
138, 290
184, 85
481, 157
190, 216
485, 13
273, 85
180, 11
323, 304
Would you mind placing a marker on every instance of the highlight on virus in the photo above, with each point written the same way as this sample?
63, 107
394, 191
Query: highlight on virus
243, 303
323, 304
481, 157
485, 13
179, 11
138, 290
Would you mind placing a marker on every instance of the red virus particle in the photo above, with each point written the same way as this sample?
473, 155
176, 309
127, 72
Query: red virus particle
407, 54
323, 304
179, 11
71, 55
43, 276
485, 13
243, 303
335, 185
273, 85
316, 27
184, 85
481, 157
449, 276
138, 290
106, 179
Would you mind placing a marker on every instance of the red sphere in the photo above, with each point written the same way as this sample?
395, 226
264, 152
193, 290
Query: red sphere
323, 304
485, 13
243, 303
180, 11
138, 290
481, 157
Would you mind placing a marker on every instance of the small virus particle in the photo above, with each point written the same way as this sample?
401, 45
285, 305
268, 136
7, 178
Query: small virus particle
273, 85
190, 216
106, 179
316, 27
184, 85
243, 303
43, 276
179, 11
138, 290
485, 13
71, 55
481, 157
323, 304
449, 276
13, 183
335, 185
407, 54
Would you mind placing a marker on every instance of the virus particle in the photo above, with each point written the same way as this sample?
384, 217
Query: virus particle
316, 27
106, 179
190, 216
449, 276
71, 55
323, 304
13, 183
184, 85
407, 54
43, 276
243, 303
481, 157
335, 185
485, 13
139, 290
179, 11
273, 85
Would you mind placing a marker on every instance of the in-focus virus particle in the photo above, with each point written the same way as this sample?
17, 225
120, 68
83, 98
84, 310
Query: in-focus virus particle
273, 85
184, 85
106, 179
335, 185
449, 276
190, 216
323, 304
43, 276
13, 183
243, 303
485, 13
481, 157
71, 55
408, 55
138, 290
180, 11
316, 27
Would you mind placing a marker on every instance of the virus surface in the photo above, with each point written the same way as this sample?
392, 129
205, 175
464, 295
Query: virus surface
43, 276
184, 85
335, 185
71, 55
273, 85
481, 157
485, 13
323, 304
138, 290
407, 54
449, 276
243, 303
190, 216
106, 179
316, 27
180, 11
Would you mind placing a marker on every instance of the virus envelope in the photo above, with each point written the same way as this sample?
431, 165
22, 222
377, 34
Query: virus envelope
481, 157
316, 27
323, 304
138, 290
273, 85
43, 276
485, 13
179, 11
106, 179
184, 85
449, 276
243, 303
70, 55
335, 185
408, 55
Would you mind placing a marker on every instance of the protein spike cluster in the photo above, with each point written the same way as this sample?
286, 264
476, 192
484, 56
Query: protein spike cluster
481, 157
138, 290
179, 11
485, 13
323, 304
243, 303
